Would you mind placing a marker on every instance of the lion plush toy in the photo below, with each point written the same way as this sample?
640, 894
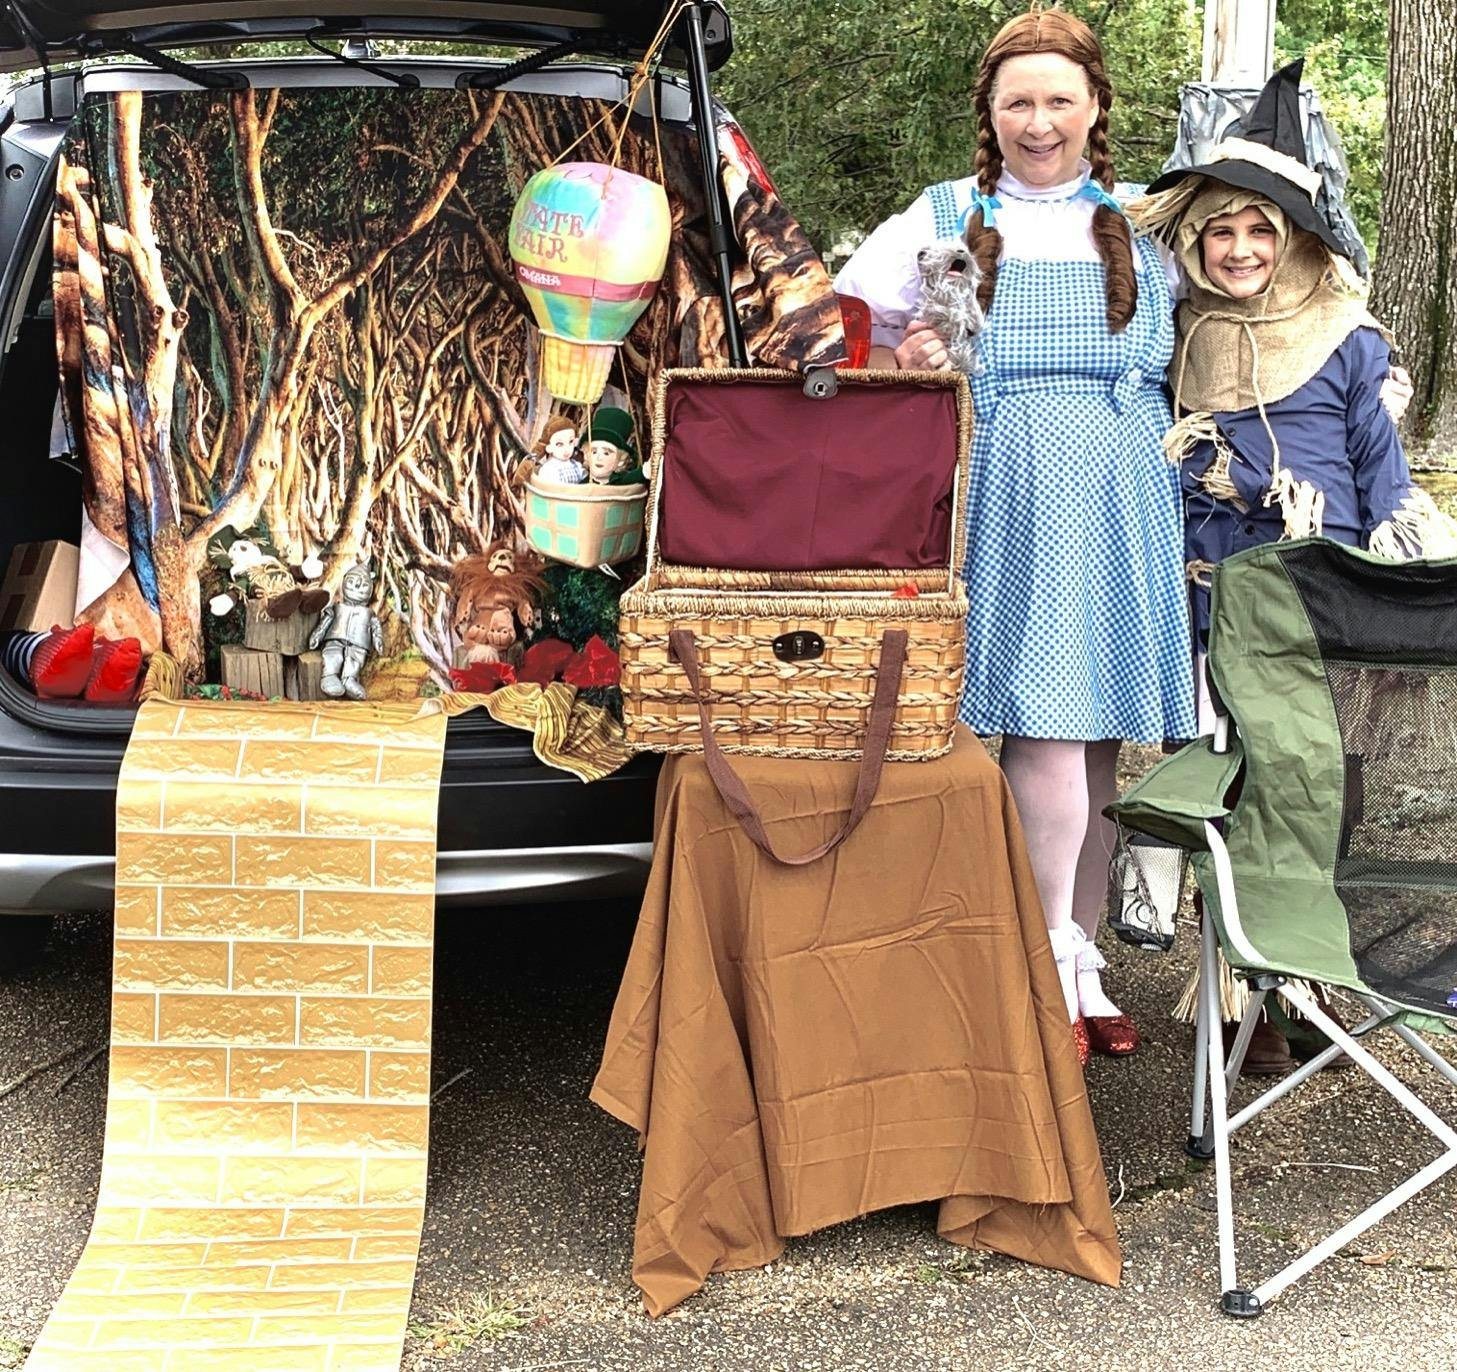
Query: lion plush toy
496, 595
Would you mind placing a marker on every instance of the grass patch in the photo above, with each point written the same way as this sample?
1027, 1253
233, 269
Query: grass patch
12, 1351
962, 1266
1442, 487
476, 1319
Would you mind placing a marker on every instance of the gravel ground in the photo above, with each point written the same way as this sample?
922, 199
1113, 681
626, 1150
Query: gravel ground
532, 1195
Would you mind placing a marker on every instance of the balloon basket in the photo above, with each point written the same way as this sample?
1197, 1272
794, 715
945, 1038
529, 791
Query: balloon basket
585, 525
576, 373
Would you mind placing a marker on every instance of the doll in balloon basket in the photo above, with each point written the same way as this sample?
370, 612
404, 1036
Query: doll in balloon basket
554, 458
610, 455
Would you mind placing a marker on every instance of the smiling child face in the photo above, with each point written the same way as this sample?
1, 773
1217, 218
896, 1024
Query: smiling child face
561, 444
1239, 252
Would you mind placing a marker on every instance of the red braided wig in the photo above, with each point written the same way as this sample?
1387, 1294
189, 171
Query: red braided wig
1064, 34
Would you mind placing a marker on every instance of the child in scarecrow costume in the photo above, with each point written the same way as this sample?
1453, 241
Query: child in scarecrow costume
1280, 430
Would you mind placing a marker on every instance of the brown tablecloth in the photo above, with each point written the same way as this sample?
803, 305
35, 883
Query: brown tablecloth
798, 1046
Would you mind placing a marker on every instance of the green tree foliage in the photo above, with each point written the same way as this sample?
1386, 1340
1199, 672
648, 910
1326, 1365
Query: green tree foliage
1344, 44
856, 105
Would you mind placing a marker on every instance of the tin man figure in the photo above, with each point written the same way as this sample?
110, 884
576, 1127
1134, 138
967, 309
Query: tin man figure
347, 632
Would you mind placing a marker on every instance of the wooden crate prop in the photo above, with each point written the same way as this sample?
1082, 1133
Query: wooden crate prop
287, 636
586, 525
248, 669
302, 676
816, 706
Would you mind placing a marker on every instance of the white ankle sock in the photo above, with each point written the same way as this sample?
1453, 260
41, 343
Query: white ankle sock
1092, 999
1066, 943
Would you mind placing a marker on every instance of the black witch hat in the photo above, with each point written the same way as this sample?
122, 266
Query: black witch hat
1267, 156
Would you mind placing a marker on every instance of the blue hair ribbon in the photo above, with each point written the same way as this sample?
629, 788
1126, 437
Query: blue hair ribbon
987, 204
1094, 191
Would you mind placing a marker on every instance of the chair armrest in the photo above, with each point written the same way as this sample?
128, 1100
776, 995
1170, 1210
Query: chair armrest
1173, 801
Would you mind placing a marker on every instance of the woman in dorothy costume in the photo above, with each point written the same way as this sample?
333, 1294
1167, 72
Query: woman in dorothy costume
1078, 633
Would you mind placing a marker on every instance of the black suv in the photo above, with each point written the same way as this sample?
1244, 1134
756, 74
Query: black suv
509, 827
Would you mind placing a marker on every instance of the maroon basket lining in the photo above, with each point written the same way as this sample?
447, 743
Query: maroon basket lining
759, 477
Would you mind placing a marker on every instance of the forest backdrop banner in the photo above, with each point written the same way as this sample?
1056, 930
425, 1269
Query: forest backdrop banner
293, 312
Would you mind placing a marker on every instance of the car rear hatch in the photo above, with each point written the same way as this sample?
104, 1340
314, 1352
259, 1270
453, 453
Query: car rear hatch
33, 33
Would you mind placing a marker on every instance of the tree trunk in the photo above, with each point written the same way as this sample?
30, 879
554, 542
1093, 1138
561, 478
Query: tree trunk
1416, 285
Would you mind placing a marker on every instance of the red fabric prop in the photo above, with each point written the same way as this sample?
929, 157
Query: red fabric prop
595, 665
483, 677
61, 666
545, 661
758, 477
114, 671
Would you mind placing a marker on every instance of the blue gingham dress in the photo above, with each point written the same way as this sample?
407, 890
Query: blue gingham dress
1079, 624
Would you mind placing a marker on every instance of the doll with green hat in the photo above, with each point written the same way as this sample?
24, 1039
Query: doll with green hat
610, 453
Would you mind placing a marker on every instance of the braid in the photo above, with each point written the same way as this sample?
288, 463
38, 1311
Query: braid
984, 243
1111, 235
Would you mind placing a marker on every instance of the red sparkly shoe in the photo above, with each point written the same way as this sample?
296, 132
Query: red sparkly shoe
1114, 1036
1080, 1038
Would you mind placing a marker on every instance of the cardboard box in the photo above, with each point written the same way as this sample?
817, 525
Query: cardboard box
40, 586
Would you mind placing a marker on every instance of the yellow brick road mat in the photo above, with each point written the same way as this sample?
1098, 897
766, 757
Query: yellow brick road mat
263, 1181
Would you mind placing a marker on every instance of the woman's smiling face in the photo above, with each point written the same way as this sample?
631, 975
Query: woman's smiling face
1042, 110
1239, 252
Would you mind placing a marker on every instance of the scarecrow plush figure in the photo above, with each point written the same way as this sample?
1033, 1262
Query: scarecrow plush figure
611, 455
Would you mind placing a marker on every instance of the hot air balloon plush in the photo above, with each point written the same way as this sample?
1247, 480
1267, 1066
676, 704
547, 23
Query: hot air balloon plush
590, 243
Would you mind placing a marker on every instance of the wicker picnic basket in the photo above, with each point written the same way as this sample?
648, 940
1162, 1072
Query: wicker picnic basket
789, 663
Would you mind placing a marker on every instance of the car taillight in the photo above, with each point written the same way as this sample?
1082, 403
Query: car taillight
855, 315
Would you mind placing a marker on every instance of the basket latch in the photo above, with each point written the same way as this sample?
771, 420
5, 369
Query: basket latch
820, 383
799, 646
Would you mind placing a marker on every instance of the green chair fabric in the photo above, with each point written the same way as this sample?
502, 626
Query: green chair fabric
1337, 800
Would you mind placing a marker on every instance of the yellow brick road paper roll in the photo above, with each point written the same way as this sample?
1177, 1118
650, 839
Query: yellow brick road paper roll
263, 1180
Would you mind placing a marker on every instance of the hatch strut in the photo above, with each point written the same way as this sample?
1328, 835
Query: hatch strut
32, 35
199, 76
492, 80
713, 197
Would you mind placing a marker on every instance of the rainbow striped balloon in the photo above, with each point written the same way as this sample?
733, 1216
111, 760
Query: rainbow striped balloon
590, 243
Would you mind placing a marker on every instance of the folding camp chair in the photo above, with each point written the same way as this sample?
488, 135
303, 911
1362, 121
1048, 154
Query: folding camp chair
1322, 818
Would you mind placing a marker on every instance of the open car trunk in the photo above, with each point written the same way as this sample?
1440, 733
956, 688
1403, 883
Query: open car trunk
288, 310
57, 30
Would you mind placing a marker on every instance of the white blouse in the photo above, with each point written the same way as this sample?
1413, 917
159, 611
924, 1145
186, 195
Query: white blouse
1037, 223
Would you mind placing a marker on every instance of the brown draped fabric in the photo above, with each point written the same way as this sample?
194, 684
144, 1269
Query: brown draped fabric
798, 1046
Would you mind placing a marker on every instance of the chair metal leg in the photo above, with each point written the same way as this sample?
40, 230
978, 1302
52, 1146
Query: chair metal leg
1200, 1143
1232, 1300
1241, 1044
1404, 1096
1380, 1010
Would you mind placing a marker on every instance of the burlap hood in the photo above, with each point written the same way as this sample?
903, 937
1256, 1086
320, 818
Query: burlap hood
1243, 354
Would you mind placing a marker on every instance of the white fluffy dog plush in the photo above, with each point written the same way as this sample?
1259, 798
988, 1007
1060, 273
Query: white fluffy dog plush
949, 278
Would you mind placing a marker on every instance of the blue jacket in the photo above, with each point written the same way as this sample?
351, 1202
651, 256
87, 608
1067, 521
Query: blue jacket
1333, 431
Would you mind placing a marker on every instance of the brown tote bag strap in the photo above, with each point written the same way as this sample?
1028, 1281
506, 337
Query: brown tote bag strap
877, 739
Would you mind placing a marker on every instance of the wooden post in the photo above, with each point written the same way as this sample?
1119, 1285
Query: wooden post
1239, 42
302, 675
248, 669
287, 636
